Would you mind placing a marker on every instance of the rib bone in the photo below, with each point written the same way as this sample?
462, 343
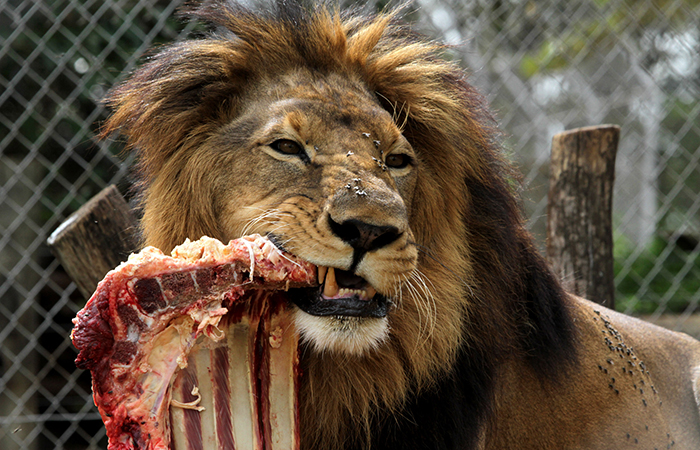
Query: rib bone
196, 350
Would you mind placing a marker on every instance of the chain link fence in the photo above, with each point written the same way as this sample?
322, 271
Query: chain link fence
545, 66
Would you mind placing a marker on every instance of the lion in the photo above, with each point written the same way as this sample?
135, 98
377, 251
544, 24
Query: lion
352, 143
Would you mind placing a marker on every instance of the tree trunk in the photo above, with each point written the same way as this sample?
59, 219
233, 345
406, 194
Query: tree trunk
579, 211
95, 239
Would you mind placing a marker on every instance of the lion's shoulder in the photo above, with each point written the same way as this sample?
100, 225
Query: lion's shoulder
667, 362
633, 383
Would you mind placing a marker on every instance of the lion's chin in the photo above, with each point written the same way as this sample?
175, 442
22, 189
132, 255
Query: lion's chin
345, 334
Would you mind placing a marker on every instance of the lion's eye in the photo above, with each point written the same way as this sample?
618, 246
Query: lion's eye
397, 161
287, 147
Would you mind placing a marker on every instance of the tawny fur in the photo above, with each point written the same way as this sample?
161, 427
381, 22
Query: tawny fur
465, 278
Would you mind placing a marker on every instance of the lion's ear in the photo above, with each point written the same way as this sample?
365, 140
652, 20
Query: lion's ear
175, 99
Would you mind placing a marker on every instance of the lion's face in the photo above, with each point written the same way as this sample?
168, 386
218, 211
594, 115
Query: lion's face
324, 171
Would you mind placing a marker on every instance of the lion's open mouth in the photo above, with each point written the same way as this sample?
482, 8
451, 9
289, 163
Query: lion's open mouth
340, 293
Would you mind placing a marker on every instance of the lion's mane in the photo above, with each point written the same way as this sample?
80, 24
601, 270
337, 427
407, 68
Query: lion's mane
495, 297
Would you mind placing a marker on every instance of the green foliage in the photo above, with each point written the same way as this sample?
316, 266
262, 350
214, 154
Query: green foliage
662, 269
549, 56
679, 181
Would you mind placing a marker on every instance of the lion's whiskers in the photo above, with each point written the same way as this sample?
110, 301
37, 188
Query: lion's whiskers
430, 305
396, 115
415, 283
273, 213
425, 302
289, 236
398, 291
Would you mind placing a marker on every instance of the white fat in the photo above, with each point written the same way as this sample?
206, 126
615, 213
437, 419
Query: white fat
133, 333
353, 335
251, 255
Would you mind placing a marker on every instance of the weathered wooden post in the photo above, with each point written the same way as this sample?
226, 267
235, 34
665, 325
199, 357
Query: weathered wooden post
95, 239
579, 211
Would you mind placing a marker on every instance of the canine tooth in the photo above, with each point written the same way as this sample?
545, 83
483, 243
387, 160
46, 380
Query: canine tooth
330, 287
371, 292
322, 270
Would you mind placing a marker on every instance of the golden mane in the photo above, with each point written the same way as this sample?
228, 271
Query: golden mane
500, 299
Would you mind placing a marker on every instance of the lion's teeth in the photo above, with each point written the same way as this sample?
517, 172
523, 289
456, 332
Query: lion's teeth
330, 287
326, 278
371, 292
322, 270
364, 294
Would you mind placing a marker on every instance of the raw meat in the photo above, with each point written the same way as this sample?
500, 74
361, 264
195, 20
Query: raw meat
196, 350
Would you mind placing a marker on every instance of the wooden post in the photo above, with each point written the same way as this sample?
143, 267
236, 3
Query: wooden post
579, 211
95, 239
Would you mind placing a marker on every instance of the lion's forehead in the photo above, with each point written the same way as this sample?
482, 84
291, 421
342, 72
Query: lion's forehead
331, 102
326, 114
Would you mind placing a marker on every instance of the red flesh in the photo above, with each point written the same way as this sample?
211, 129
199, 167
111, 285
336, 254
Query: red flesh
155, 318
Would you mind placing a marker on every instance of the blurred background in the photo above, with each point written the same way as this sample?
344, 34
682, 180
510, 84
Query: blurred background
545, 66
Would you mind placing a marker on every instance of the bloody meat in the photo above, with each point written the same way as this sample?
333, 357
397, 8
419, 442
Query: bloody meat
196, 350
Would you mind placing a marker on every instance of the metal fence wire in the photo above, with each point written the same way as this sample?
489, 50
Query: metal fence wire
545, 66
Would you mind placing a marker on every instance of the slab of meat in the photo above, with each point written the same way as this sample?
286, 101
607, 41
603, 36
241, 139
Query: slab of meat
196, 350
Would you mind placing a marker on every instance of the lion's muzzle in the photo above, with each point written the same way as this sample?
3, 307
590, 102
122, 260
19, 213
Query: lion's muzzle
342, 292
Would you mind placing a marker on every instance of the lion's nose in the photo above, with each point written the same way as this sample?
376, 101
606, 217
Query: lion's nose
362, 236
